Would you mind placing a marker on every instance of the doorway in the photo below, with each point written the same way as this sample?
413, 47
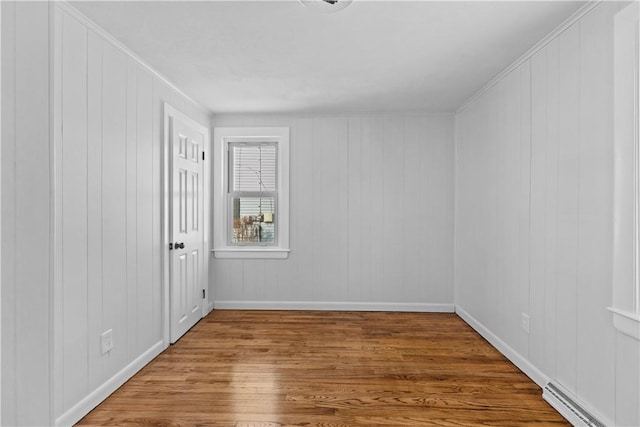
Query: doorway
186, 223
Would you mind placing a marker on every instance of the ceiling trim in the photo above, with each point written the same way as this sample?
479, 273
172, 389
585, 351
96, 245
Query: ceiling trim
348, 114
528, 54
75, 13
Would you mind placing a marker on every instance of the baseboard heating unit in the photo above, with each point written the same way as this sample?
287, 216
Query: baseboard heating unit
568, 408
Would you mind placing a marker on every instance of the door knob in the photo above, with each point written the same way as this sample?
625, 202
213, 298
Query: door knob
179, 245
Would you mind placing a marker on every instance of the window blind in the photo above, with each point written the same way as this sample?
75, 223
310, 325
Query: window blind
254, 168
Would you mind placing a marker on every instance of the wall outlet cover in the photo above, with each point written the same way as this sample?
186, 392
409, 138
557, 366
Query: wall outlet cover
106, 340
525, 322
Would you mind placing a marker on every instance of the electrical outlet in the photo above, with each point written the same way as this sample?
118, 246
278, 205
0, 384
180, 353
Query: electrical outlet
525, 322
107, 341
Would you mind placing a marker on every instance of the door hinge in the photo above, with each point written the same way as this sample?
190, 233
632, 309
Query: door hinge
204, 294
203, 155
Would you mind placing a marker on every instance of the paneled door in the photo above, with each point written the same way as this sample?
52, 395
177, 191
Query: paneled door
186, 146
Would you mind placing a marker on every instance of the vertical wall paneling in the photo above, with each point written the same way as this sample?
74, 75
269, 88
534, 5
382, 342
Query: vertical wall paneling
354, 203
94, 209
144, 209
551, 210
437, 203
538, 204
595, 222
254, 277
228, 282
343, 211
568, 187
158, 293
489, 232
26, 214
107, 164
627, 381
377, 175
131, 243
371, 209
414, 232
498, 201
72, 193
58, 336
286, 273
33, 213
364, 231
392, 226
525, 197
327, 208
511, 216
301, 151
552, 216
8, 193
114, 189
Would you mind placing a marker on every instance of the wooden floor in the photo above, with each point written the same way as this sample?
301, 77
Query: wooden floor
257, 368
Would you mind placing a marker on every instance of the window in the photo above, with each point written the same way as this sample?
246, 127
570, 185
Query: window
251, 195
252, 192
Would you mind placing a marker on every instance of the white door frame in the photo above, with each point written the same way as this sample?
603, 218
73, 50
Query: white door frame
170, 112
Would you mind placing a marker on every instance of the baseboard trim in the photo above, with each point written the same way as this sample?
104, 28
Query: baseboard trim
94, 398
516, 358
333, 306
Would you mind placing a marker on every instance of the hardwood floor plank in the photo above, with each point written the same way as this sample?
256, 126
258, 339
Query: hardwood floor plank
277, 369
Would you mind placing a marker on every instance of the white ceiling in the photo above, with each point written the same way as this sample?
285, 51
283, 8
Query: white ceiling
374, 56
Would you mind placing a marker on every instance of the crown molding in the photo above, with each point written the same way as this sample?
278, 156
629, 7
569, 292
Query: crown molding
577, 15
75, 13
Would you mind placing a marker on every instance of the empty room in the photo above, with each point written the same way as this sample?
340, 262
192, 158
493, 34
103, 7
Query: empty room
319, 212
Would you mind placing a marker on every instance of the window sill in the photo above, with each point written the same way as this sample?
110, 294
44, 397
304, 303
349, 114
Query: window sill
626, 322
251, 253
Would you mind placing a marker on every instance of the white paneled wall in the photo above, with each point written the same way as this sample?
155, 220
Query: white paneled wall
26, 213
534, 174
371, 217
81, 218
108, 136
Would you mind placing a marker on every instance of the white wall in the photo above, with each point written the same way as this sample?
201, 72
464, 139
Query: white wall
371, 217
81, 215
534, 185
26, 214
108, 197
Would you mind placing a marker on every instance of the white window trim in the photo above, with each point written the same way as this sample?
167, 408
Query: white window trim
626, 240
222, 136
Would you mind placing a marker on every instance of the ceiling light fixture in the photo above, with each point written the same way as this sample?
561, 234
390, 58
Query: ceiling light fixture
326, 6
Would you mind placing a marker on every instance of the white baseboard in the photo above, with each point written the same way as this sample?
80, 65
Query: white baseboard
333, 306
209, 307
516, 358
94, 398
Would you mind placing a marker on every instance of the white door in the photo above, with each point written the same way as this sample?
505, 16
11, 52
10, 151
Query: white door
186, 225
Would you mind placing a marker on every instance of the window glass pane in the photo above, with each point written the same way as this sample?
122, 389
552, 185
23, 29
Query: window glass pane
254, 167
253, 220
